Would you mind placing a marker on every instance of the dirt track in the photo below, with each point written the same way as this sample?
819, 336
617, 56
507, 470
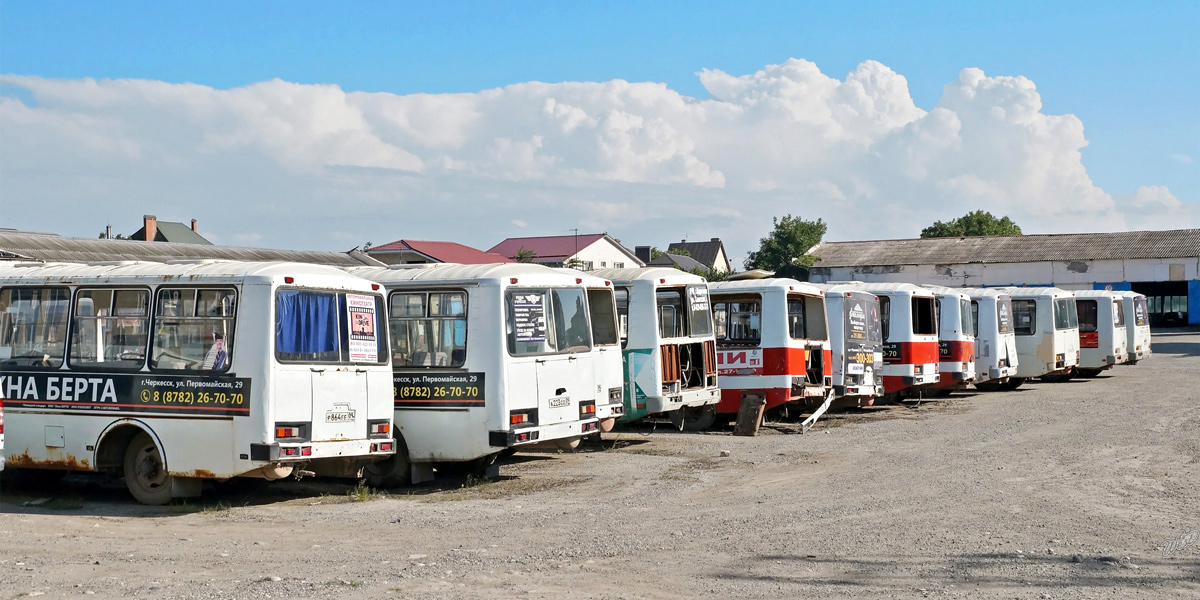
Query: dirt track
1051, 491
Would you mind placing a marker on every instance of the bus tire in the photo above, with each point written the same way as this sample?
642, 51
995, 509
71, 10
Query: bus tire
1014, 383
1089, 373
699, 418
145, 472
390, 473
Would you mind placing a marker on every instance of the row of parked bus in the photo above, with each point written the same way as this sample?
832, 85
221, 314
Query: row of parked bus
170, 374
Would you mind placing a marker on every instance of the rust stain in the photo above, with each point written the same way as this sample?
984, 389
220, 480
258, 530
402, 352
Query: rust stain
70, 463
198, 473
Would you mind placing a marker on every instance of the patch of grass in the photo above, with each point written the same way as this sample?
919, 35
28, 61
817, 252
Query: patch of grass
474, 480
219, 506
362, 493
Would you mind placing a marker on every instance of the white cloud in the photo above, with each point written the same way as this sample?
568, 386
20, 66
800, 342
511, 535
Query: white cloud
1155, 207
1182, 158
313, 166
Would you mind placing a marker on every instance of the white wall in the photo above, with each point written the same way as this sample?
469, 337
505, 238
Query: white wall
604, 251
1074, 275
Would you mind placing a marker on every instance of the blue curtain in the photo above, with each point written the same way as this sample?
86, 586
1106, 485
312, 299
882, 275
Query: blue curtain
305, 322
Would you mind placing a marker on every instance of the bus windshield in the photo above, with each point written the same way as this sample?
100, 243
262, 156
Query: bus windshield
700, 322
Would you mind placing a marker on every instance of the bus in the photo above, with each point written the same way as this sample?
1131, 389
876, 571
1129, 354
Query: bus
856, 343
1138, 328
1046, 325
956, 340
1103, 341
910, 337
486, 359
610, 379
169, 374
772, 342
667, 341
996, 356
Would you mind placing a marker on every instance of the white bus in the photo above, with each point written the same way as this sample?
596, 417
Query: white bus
1103, 341
1138, 327
956, 340
1046, 325
856, 341
485, 358
996, 356
610, 378
773, 342
667, 340
910, 337
169, 374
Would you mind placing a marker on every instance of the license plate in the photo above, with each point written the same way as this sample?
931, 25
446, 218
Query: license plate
560, 401
339, 417
855, 368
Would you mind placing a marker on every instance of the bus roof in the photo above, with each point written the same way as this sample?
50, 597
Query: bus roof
885, 288
1034, 292
1098, 294
774, 283
588, 278
141, 271
841, 289
672, 275
986, 292
453, 272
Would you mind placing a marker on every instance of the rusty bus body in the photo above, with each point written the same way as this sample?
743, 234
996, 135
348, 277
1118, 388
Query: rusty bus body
856, 344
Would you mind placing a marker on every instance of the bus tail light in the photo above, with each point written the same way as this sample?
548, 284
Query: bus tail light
587, 410
305, 450
523, 417
289, 451
289, 280
379, 428
292, 431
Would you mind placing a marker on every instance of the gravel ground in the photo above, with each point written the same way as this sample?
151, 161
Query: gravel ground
1051, 491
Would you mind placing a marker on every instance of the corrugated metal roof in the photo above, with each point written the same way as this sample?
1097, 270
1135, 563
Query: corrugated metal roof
1177, 243
686, 263
52, 248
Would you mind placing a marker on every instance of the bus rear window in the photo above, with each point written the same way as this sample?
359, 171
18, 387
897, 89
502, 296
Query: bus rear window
1004, 311
967, 312
1065, 316
329, 327
924, 316
1088, 317
604, 317
1118, 313
738, 321
547, 321
1024, 317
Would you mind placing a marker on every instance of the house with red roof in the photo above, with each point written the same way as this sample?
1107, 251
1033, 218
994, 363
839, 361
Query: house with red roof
404, 252
587, 251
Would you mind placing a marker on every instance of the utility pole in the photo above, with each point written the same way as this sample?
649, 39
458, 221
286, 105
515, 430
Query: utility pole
576, 230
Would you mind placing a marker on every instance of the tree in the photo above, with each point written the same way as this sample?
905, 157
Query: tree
787, 244
655, 252
973, 223
526, 256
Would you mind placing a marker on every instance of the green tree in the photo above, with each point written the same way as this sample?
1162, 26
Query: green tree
973, 223
655, 252
526, 256
787, 244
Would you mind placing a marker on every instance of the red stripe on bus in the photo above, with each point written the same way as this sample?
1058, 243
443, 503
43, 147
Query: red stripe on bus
449, 400
784, 361
913, 353
957, 351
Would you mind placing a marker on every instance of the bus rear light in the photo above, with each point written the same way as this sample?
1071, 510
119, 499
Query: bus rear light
375, 286
385, 447
662, 280
305, 450
289, 451
518, 419
587, 410
522, 437
607, 283
289, 280
376, 428
588, 427
578, 280
512, 280
287, 432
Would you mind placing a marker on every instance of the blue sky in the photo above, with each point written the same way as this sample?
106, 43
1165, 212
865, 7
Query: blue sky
1129, 71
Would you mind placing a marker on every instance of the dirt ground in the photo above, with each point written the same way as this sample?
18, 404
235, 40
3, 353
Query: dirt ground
1051, 491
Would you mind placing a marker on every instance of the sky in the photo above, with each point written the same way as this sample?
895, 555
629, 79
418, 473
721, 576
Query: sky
323, 126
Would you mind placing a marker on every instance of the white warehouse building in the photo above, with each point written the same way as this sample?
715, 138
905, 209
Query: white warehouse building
1163, 265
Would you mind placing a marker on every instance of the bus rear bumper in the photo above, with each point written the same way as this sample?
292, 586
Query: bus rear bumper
543, 433
369, 449
690, 398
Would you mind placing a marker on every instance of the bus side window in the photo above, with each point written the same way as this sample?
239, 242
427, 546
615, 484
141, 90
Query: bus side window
33, 326
429, 329
622, 299
975, 318
796, 321
720, 319
193, 329
110, 328
885, 315
1118, 314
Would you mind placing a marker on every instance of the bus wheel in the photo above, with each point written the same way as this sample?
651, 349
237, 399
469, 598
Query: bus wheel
570, 443
395, 471
145, 472
1014, 383
699, 418
1089, 373
607, 425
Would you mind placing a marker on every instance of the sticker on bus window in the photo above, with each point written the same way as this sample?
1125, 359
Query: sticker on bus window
529, 317
856, 322
364, 340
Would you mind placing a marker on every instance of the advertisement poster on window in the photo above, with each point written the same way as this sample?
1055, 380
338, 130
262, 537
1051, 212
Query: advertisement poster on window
856, 322
529, 317
364, 339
